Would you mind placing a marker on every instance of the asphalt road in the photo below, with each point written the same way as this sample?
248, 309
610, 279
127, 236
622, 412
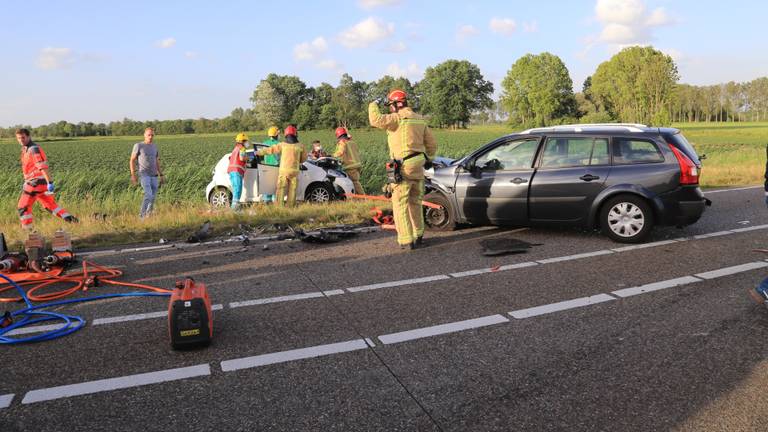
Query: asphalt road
579, 334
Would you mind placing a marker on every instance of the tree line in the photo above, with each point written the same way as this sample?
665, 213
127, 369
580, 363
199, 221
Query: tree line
636, 85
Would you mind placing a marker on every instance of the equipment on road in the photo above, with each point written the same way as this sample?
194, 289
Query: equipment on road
190, 318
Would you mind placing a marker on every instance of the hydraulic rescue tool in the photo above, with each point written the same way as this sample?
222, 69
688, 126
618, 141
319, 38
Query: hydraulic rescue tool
190, 320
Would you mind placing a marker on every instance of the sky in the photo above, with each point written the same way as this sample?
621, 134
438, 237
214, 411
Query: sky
101, 61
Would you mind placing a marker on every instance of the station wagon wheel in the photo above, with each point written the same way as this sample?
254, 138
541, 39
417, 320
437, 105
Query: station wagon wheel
626, 219
220, 198
441, 219
319, 193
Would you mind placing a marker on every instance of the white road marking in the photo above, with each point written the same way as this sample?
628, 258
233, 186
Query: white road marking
294, 297
628, 292
398, 283
561, 306
712, 234
109, 384
35, 329
575, 257
5, 400
731, 270
441, 329
493, 270
647, 245
731, 190
370, 342
752, 228
297, 354
142, 316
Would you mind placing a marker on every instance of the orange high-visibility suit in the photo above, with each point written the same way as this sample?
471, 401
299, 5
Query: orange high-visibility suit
35, 188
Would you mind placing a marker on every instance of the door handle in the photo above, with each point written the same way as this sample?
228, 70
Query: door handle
589, 177
518, 180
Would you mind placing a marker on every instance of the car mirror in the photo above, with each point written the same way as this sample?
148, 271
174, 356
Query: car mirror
492, 165
302, 167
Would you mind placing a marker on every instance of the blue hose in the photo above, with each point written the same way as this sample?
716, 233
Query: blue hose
34, 314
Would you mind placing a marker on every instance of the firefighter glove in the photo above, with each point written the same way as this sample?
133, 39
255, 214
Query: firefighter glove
50, 187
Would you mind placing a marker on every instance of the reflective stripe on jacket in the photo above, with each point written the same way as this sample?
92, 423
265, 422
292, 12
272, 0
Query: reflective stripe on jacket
237, 160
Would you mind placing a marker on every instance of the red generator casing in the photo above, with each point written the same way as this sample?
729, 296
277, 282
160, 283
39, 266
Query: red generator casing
190, 319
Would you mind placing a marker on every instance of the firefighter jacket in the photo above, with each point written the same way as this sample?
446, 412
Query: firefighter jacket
237, 160
407, 134
348, 152
291, 156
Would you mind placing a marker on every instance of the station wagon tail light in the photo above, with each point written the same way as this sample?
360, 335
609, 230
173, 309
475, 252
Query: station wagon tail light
689, 172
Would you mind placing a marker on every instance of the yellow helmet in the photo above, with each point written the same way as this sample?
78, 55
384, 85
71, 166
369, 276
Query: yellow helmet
273, 131
241, 137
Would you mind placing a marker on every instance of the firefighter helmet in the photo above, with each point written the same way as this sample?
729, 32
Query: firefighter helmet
290, 130
396, 96
340, 131
273, 131
241, 137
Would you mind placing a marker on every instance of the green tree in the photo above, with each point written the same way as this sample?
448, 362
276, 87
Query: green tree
268, 104
636, 85
451, 91
349, 98
287, 92
538, 90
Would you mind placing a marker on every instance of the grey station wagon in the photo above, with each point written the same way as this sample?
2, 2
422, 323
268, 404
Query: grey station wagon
622, 178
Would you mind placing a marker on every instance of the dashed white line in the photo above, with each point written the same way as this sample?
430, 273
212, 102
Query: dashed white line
398, 283
297, 354
5, 400
628, 292
561, 306
441, 329
109, 384
731, 270
731, 190
142, 316
280, 299
712, 234
752, 228
575, 257
493, 270
646, 245
36, 329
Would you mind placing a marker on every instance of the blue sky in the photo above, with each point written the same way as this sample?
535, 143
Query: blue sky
101, 61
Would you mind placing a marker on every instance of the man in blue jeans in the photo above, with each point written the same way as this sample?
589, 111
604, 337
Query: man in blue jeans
146, 156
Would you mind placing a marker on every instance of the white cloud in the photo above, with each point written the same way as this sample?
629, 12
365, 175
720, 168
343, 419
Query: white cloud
166, 43
627, 22
370, 4
530, 27
658, 18
55, 58
328, 64
412, 71
505, 26
397, 47
465, 32
191, 55
366, 33
310, 50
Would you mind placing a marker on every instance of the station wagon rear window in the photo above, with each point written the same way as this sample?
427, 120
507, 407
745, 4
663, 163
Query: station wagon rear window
632, 151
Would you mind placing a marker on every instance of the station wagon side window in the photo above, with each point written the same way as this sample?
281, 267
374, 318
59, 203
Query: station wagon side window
629, 151
564, 152
512, 155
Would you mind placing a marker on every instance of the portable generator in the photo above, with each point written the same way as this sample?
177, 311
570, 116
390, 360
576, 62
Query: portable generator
190, 320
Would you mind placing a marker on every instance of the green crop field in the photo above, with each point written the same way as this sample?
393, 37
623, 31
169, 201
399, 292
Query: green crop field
92, 176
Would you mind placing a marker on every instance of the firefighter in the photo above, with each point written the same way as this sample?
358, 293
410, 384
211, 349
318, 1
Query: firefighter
38, 185
411, 147
292, 154
347, 150
236, 169
272, 139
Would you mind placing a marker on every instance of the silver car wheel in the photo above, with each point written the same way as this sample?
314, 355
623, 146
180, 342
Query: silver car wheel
319, 194
626, 219
220, 198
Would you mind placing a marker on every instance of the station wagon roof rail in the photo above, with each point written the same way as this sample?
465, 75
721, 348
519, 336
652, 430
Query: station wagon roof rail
629, 127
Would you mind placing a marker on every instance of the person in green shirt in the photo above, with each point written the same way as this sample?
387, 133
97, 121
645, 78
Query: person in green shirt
271, 159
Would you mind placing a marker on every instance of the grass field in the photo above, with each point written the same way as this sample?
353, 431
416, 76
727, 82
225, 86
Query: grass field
92, 177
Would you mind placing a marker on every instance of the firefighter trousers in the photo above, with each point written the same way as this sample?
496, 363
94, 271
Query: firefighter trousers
406, 207
286, 185
354, 175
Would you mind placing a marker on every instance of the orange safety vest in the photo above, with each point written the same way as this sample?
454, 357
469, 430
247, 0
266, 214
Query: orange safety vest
33, 161
236, 161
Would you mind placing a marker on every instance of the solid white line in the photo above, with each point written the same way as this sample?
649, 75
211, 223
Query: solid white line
731, 190
628, 292
398, 283
453, 327
575, 257
297, 354
115, 383
287, 298
712, 234
731, 270
646, 245
5, 400
561, 306
752, 228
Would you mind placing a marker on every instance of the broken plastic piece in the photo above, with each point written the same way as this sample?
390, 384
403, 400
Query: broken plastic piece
505, 245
